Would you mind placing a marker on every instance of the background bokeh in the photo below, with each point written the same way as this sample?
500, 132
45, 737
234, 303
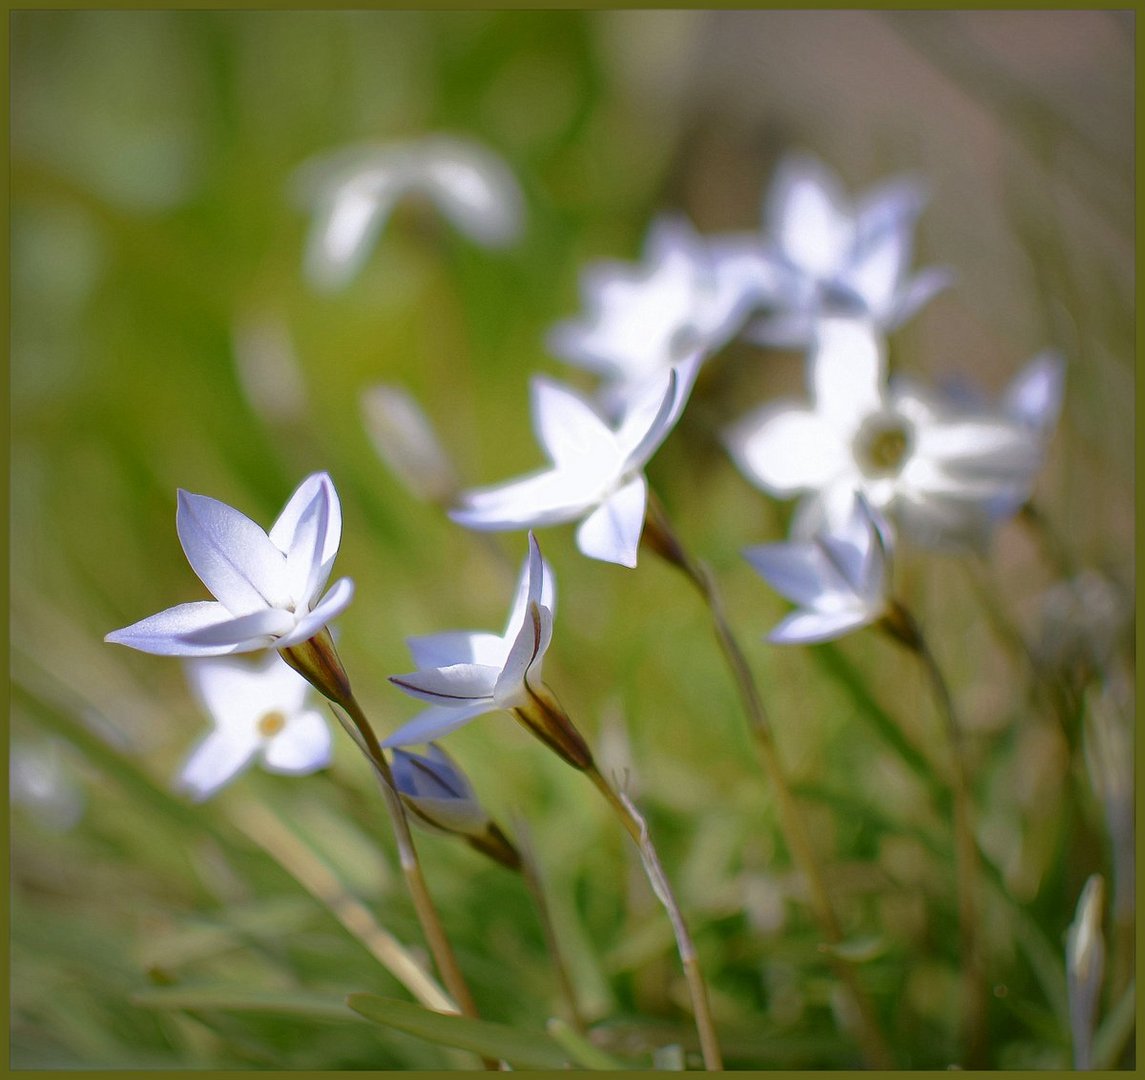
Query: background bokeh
164, 336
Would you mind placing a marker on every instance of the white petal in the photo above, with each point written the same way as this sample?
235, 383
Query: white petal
798, 571
980, 448
612, 531
807, 215
917, 291
336, 600
567, 426
787, 449
475, 189
216, 760
457, 647
548, 498
246, 633
535, 582
847, 370
233, 557
237, 692
893, 204
522, 654
302, 746
876, 269
643, 428
438, 721
457, 684
344, 231
165, 634
309, 532
1035, 396
808, 627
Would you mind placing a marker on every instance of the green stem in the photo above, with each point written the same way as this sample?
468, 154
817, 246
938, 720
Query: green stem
905, 629
638, 830
663, 538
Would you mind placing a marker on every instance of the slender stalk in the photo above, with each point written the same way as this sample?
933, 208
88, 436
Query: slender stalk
638, 829
905, 629
531, 872
662, 537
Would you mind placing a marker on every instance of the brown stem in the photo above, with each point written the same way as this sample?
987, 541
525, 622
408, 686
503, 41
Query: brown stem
662, 537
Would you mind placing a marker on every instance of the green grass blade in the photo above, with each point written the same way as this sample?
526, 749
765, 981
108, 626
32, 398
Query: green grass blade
232, 999
523, 1049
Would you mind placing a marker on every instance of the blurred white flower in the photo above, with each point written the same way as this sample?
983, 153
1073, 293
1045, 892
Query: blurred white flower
825, 254
267, 585
465, 674
1085, 968
259, 711
354, 191
41, 780
936, 472
840, 580
640, 320
407, 442
596, 473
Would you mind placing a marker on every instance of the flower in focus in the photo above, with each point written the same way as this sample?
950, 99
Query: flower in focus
829, 255
464, 674
268, 586
937, 472
641, 320
596, 473
259, 711
840, 580
355, 191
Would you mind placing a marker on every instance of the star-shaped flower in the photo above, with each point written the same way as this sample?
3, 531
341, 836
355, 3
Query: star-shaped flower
260, 712
640, 320
465, 674
840, 580
356, 190
936, 472
269, 586
829, 255
596, 473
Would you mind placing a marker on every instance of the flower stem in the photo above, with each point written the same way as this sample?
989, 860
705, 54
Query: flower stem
662, 537
638, 829
905, 629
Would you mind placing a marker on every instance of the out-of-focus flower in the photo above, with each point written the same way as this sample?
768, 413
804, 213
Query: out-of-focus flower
1084, 620
354, 192
828, 255
1085, 967
406, 441
640, 320
440, 797
840, 580
260, 712
935, 471
40, 780
269, 586
465, 674
596, 473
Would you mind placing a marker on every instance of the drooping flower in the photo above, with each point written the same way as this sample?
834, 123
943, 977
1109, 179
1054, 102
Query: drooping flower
826, 254
465, 674
640, 320
268, 587
354, 192
440, 798
260, 712
937, 472
840, 580
597, 469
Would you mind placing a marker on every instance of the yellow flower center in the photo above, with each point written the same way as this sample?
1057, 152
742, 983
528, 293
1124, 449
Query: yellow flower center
271, 723
883, 444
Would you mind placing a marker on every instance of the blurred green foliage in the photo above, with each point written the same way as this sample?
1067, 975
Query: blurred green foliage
155, 245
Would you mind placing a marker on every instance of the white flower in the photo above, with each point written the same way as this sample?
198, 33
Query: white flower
259, 711
1035, 396
596, 473
355, 191
640, 320
831, 256
840, 580
936, 472
465, 674
1085, 968
267, 585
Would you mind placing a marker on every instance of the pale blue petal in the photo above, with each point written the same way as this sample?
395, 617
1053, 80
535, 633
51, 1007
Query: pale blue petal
436, 722
809, 627
336, 600
612, 531
457, 684
457, 647
165, 634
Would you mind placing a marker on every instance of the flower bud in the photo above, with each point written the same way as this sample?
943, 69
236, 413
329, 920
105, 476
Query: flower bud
317, 661
440, 798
